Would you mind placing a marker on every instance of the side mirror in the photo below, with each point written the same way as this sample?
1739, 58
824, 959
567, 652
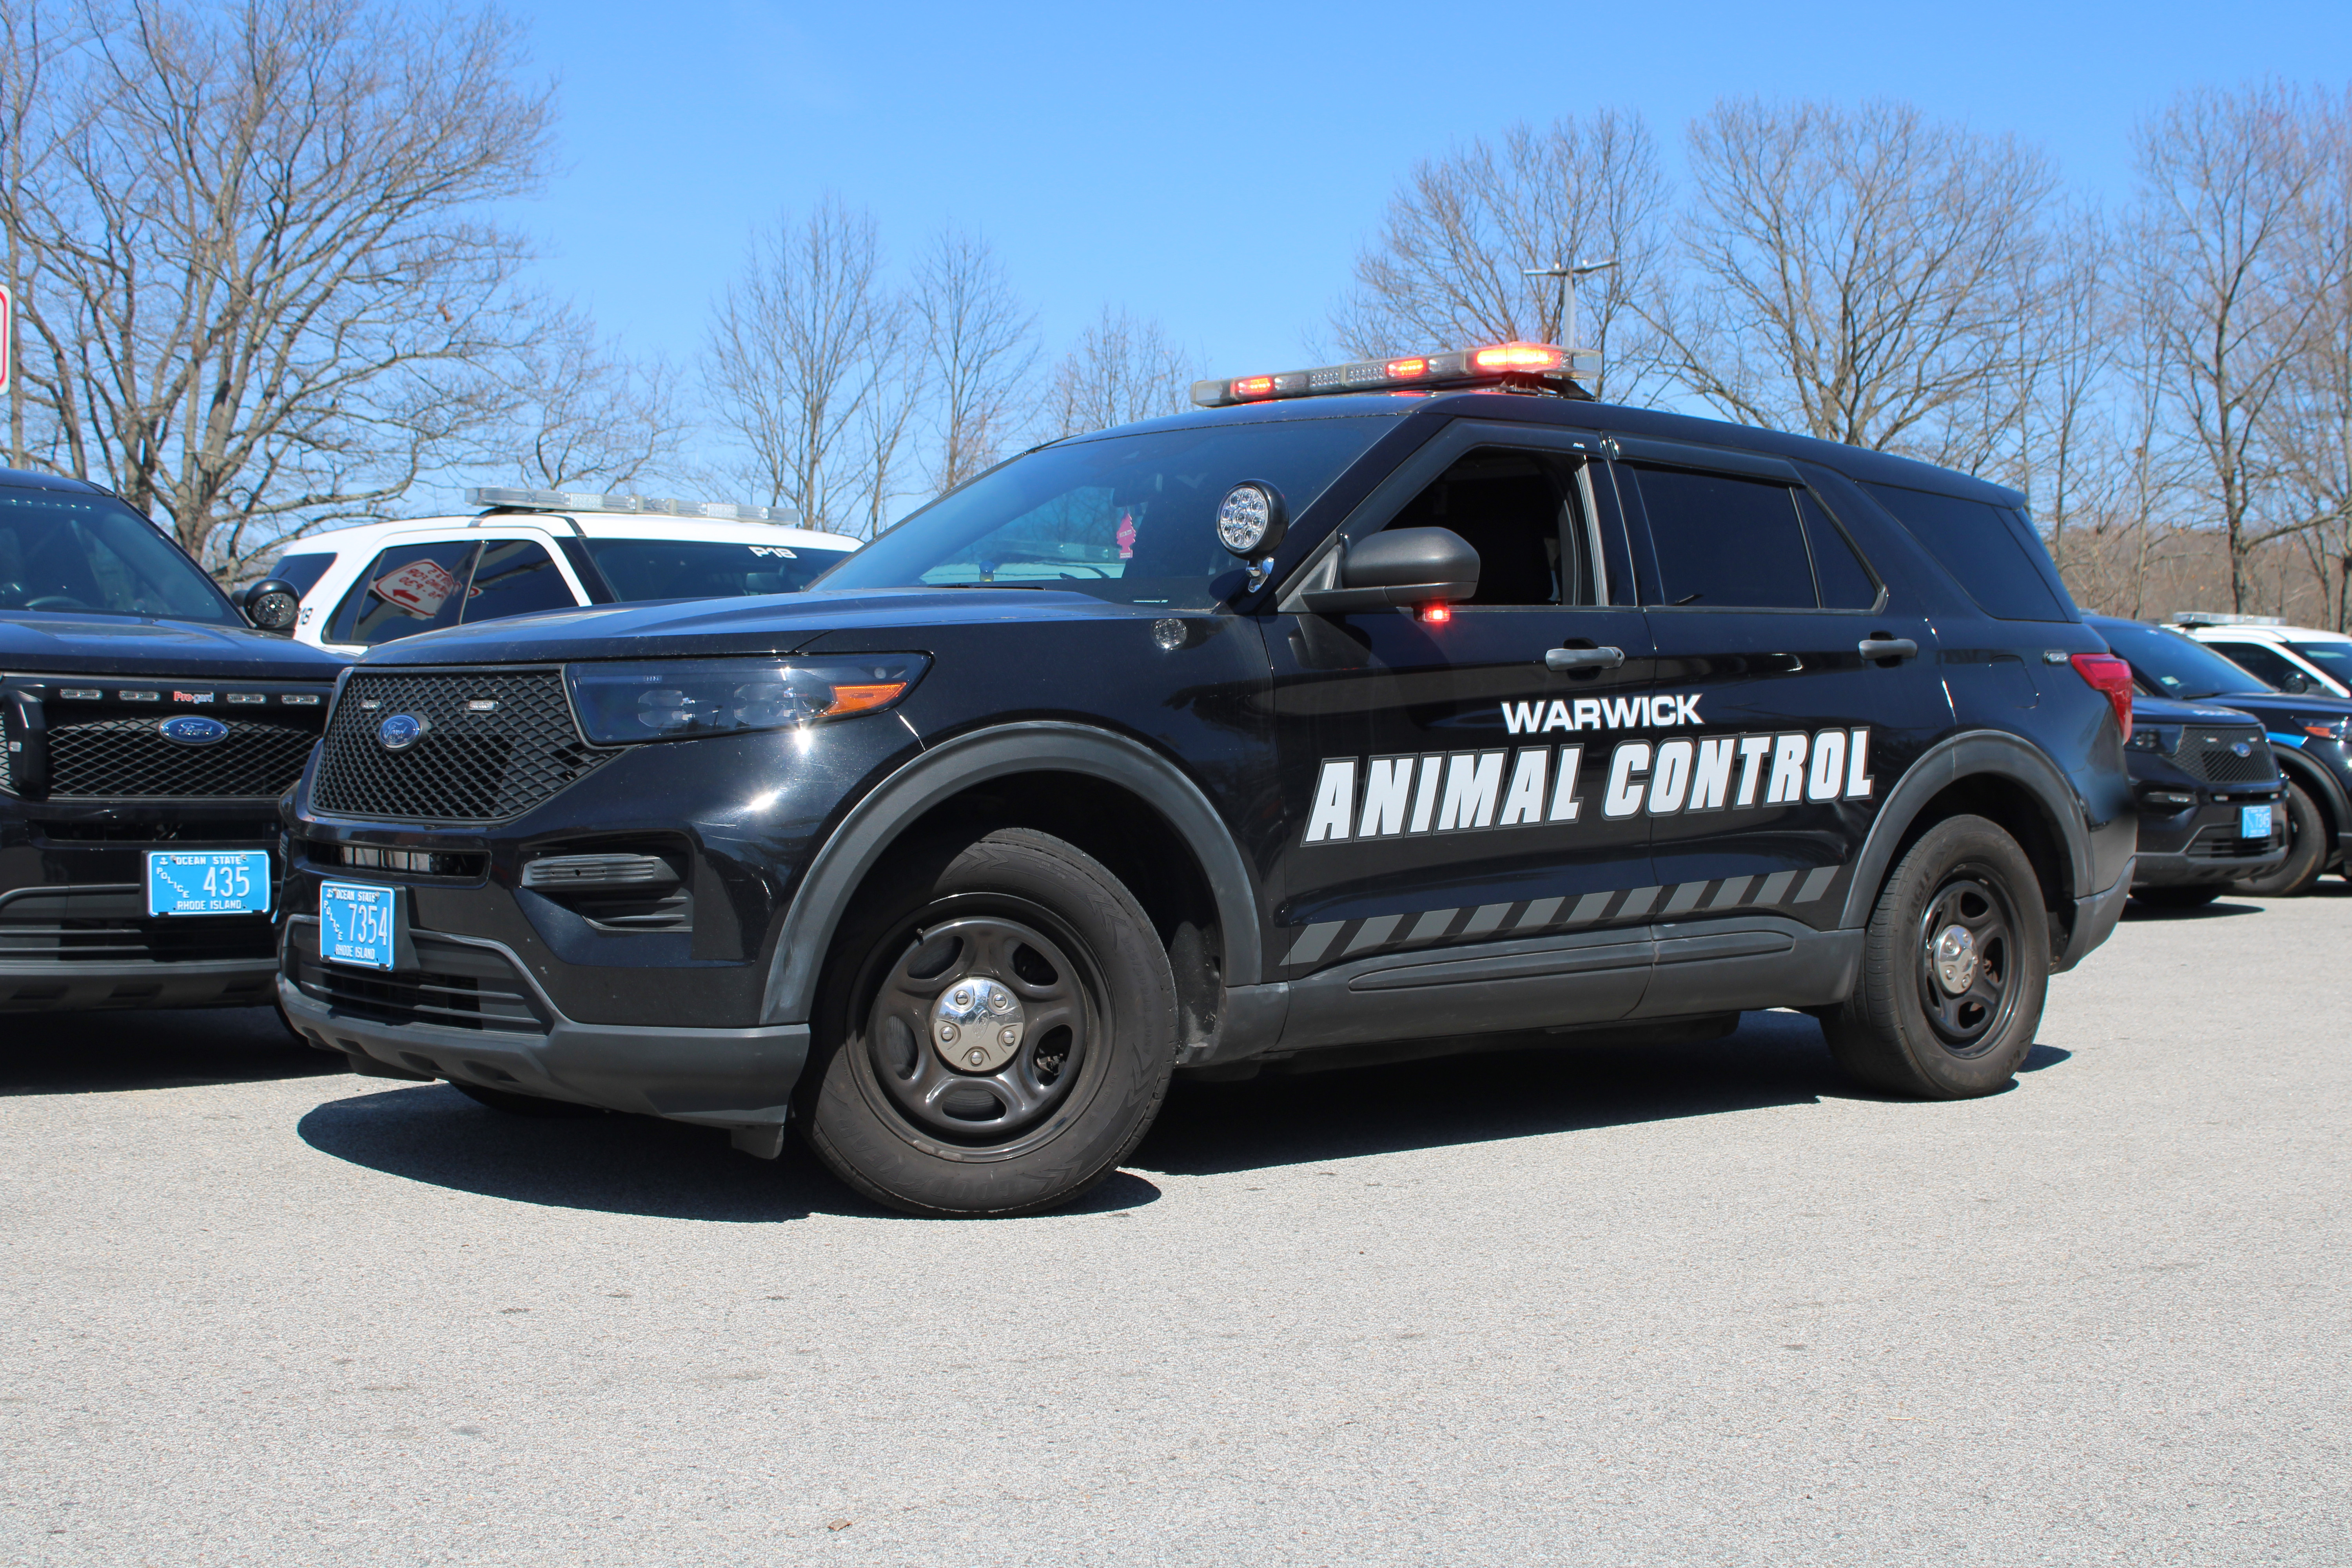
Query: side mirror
272, 605
1401, 566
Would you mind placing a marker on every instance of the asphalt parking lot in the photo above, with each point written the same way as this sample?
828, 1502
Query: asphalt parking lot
1609, 1305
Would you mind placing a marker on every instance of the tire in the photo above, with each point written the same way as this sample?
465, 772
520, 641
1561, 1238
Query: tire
1904, 1030
2179, 896
2306, 851
531, 1105
1063, 1007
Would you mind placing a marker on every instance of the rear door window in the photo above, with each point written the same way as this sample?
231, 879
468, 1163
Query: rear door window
516, 577
407, 589
1980, 544
1724, 542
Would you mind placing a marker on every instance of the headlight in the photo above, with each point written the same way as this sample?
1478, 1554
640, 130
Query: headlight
2332, 730
684, 700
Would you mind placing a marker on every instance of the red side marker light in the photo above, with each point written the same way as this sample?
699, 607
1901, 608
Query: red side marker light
1436, 615
1254, 386
1518, 356
2111, 678
1404, 368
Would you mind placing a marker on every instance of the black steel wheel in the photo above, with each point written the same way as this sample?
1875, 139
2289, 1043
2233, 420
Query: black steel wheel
1955, 964
996, 1033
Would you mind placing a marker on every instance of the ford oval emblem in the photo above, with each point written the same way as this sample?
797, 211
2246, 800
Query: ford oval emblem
2242, 749
400, 731
192, 730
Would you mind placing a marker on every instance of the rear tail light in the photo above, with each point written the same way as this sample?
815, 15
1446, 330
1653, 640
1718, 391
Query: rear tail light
2111, 678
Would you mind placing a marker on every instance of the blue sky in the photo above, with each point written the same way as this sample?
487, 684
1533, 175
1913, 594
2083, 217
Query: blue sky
1217, 166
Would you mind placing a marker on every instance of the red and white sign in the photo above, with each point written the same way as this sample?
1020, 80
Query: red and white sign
421, 587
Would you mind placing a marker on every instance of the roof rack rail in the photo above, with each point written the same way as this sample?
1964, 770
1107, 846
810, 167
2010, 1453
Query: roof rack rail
500, 498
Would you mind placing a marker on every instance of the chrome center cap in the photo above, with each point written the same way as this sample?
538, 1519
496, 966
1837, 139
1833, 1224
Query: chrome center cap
977, 1025
1954, 957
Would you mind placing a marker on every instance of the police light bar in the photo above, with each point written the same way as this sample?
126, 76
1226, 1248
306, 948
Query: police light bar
1543, 367
502, 497
2216, 618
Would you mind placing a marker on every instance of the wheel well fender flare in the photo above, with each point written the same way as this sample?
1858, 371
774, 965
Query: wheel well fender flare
1949, 763
2317, 782
875, 823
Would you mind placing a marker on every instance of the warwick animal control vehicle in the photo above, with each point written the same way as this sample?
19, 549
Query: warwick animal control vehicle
1362, 708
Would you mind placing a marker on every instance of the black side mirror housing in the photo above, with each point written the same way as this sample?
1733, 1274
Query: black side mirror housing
1409, 566
272, 605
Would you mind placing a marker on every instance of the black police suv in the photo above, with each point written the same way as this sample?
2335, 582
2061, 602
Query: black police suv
150, 733
2307, 732
1273, 733
2211, 804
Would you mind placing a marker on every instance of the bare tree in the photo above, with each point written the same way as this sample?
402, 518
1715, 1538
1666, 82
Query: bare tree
799, 344
977, 351
260, 284
1855, 271
2312, 436
589, 417
2221, 237
1448, 267
1120, 370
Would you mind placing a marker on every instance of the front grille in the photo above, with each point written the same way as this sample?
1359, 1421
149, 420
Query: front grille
2205, 755
455, 986
493, 746
183, 940
415, 862
2221, 842
114, 759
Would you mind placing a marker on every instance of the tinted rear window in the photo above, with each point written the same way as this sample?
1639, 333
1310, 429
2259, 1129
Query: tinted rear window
1725, 542
1981, 545
703, 569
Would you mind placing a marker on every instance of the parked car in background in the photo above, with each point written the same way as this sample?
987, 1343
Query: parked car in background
2307, 732
150, 732
528, 550
2295, 659
2210, 800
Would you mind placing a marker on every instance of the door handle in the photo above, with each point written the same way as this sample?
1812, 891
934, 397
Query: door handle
1889, 648
1584, 659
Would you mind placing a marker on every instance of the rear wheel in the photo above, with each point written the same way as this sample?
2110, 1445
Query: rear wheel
1955, 966
2306, 851
1006, 1036
2179, 895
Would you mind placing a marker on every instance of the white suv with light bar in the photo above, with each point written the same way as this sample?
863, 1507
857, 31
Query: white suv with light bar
2292, 658
528, 551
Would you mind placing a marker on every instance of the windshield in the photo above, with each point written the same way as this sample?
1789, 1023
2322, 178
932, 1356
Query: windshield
2334, 659
1132, 518
694, 568
2171, 666
83, 553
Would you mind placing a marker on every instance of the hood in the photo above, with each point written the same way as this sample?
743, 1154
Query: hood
2274, 708
38, 643
2206, 710
780, 623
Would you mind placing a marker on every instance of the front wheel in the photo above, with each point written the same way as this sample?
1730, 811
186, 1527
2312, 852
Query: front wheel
1005, 1034
1955, 964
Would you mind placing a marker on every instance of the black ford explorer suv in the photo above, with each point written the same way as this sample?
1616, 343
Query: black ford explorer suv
2310, 735
150, 733
2211, 804
1300, 726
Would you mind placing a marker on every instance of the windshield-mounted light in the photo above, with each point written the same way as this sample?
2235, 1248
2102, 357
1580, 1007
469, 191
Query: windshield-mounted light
686, 700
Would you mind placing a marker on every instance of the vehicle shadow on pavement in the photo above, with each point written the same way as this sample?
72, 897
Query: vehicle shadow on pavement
2218, 910
109, 1052
1774, 1059
615, 1164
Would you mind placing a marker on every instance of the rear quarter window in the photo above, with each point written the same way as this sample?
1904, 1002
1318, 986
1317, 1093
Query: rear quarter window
1986, 548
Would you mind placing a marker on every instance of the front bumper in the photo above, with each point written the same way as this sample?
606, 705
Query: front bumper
74, 929
718, 1077
2200, 845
